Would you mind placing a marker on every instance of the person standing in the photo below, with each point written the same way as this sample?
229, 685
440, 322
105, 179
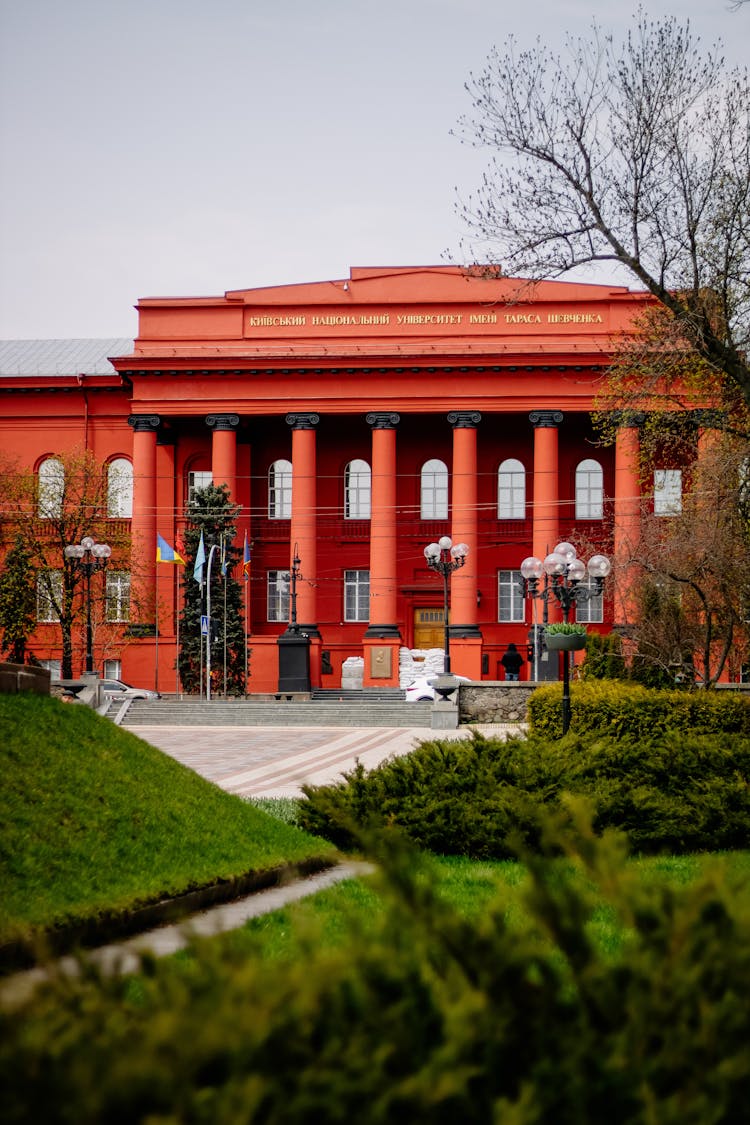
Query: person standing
511, 662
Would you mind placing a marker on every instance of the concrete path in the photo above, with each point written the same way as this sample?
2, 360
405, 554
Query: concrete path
277, 761
124, 956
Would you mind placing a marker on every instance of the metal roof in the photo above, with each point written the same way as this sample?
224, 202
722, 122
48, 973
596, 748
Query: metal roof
60, 357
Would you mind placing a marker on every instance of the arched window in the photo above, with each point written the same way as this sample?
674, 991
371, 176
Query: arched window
589, 491
434, 491
511, 490
51, 477
357, 491
120, 489
280, 490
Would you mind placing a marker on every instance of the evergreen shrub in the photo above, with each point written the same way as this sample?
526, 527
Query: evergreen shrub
671, 791
423, 1015
619, 709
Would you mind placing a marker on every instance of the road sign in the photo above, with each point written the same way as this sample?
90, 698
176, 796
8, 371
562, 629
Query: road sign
204, 624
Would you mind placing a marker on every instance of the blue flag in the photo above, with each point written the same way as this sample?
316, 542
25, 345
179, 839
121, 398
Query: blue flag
246, 560
200, 560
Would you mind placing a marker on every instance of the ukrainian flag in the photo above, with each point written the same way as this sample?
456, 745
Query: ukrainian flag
165, 553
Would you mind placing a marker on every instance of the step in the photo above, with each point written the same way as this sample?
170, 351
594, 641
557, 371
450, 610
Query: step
320, 713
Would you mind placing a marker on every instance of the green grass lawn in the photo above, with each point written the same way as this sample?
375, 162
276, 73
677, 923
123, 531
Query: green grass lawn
331, 917
93, 819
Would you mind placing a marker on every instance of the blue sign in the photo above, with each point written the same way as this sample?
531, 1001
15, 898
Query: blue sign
204, 625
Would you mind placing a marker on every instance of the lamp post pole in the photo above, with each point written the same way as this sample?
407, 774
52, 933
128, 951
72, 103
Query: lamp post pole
444, 557
563, 573
88, 556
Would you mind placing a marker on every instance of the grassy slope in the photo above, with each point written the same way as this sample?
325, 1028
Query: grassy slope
92, 818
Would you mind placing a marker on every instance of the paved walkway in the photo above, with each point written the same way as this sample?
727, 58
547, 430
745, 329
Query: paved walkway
278, 761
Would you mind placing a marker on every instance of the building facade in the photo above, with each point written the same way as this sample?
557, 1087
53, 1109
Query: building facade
354, 422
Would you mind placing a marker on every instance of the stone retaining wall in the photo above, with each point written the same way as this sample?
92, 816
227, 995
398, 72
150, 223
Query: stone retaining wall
491, 702
23, 677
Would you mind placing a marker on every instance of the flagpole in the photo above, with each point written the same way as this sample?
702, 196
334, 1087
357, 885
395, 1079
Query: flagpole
156, 620
177, 632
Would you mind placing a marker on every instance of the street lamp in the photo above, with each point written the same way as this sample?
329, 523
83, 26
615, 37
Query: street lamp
443, 557
563, 573
88, 556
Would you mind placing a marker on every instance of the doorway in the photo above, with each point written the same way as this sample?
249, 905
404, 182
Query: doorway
429, 628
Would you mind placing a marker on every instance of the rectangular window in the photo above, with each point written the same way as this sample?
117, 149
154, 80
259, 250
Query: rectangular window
278, 595
667, 492
118, 595
356, 595
197, 481
48, 595
510, 595
593, 609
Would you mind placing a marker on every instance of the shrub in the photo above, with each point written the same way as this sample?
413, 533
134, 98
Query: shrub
620, 709
424, 1016
473, 797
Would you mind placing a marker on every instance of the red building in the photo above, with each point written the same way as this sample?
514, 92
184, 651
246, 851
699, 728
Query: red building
357, 420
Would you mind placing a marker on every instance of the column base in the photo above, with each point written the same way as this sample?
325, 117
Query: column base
384, 632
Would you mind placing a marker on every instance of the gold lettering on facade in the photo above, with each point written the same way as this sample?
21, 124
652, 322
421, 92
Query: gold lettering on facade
296, 321
429, 318
482, 318
574, 318
523, 318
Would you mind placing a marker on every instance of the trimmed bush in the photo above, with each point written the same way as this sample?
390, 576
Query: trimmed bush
619, 709
423, 1016
672, 791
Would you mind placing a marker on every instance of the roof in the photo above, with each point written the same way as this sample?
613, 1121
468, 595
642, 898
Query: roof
61, 357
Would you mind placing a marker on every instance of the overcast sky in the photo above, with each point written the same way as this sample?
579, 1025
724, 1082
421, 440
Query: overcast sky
187, 147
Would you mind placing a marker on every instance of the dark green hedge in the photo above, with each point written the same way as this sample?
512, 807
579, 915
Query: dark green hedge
422, 1017
674, 792
616, 708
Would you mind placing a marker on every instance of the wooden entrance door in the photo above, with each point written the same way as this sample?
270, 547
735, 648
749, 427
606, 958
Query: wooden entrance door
429, 628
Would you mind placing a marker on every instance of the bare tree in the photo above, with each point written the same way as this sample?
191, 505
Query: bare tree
634, 152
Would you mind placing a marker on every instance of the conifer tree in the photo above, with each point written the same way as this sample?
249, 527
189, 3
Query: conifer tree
212, 515
17, 601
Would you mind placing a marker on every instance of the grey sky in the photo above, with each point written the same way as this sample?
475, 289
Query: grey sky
180, 147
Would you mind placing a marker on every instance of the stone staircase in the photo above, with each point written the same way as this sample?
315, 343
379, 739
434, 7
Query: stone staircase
345, 708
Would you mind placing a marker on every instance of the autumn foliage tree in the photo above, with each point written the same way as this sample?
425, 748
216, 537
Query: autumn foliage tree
694, 580
71, 501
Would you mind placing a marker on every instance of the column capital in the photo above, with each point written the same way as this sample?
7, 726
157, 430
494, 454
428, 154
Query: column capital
628, 419
383, 421
546, 419
223, 421
464, 419
144, 423
303, 421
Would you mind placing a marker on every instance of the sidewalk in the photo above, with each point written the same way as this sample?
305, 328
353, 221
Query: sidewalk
278, 761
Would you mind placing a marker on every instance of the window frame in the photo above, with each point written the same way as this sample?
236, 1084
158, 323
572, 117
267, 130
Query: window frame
50, 488
278, 596
433, 490
590, 612
515, 493
667, 500
120, 597
280, 494
357, 490
43, 597
357, 595
509, 583
120, 492
589, 497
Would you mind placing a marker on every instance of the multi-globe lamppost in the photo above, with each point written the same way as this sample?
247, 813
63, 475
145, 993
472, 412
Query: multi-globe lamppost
563, 573
444, 557
88, 556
